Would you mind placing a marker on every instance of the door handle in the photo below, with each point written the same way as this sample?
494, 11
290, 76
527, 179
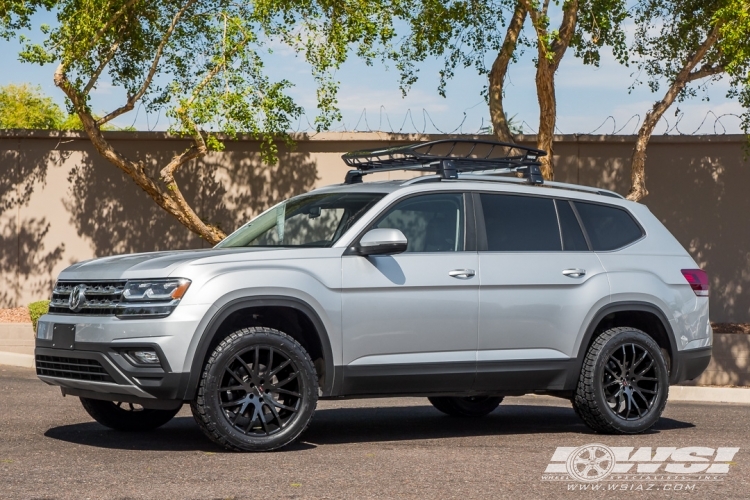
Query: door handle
574, 273
462, 274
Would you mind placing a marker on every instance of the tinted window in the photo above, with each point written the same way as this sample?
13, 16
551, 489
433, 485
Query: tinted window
608, 227
520, 223
572, 236
431, 223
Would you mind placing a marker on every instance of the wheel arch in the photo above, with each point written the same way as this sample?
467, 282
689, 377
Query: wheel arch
627, 313
244, 307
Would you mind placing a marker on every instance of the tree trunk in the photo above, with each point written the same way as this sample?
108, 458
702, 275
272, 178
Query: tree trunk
545, 90
169, 197
549, 57
500, 70
638, 189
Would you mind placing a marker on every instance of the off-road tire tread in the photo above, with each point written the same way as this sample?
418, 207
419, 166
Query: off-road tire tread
584, 399
122, 420
197, 405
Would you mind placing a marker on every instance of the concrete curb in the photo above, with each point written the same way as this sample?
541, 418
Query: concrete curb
710, 394
17, 359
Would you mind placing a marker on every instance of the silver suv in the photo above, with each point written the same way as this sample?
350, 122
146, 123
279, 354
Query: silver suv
465, 285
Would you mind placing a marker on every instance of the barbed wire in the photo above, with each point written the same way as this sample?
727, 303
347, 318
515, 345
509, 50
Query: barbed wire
429, 126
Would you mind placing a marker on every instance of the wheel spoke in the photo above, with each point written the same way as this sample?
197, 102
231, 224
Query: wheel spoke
273, 402
282, 391
236, 377
246, 367
640, 360
270, 359
276, 416
263, 420
613, 374
651, 363
232, 388
279, 368
285, 381
645, 400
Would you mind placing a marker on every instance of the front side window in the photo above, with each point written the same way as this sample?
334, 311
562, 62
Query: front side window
315, 220
520, 223
431, 223
609, 228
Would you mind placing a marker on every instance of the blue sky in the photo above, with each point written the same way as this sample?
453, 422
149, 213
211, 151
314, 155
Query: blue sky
589, 99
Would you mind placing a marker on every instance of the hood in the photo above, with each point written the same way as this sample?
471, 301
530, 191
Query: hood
152, 264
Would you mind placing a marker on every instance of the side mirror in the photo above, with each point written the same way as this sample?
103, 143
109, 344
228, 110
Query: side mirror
382, 242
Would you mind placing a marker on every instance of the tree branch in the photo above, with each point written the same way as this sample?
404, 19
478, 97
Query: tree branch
638, 160
152, 71
567, 30
98, 72
111, 21
705, 71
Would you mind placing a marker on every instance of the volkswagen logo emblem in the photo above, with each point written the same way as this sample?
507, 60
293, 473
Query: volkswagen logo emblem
77, 298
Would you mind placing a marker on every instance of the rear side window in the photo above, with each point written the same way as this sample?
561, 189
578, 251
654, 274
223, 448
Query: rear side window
608, 228
520, 223
572, 236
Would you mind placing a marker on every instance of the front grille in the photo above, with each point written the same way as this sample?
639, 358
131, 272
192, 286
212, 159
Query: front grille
102, 297
74, 368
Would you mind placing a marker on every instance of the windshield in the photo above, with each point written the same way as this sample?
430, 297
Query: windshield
315, 220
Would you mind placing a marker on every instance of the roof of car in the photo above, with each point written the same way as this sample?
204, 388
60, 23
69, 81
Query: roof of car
391, 186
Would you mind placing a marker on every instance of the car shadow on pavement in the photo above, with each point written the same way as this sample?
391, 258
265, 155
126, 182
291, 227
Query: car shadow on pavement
347, 425
354, 425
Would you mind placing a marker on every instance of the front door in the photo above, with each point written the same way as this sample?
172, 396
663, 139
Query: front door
410, 320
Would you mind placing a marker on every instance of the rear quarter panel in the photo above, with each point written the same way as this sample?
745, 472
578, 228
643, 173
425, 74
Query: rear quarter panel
650, 271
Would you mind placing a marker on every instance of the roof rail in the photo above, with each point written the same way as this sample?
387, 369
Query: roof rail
448, 158
516, 180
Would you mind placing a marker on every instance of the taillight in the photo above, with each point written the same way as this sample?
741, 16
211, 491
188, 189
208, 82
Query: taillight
698, 279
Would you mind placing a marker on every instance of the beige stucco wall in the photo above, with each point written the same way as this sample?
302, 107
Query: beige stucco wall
61, 203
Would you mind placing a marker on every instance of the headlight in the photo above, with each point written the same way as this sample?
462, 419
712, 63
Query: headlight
155, 290
151, 298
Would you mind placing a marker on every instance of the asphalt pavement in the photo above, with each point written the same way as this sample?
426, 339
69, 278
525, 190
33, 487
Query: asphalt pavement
376, 448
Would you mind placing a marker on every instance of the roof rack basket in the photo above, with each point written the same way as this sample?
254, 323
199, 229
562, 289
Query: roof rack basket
448, 158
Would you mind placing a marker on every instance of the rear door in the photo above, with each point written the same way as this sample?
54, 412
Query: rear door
538, 281
410, 320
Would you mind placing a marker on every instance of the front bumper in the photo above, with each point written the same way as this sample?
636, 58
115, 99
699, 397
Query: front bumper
94, 364
100, 371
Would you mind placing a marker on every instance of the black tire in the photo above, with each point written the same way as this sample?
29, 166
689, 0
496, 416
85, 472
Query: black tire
474, 406
126, 416
240, 408
624, 383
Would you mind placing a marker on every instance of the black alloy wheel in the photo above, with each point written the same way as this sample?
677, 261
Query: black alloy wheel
630, 382
258, 391
624, 382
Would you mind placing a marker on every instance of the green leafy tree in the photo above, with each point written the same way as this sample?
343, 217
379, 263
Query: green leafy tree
686, 42
465, 32
26, 107
201, 62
